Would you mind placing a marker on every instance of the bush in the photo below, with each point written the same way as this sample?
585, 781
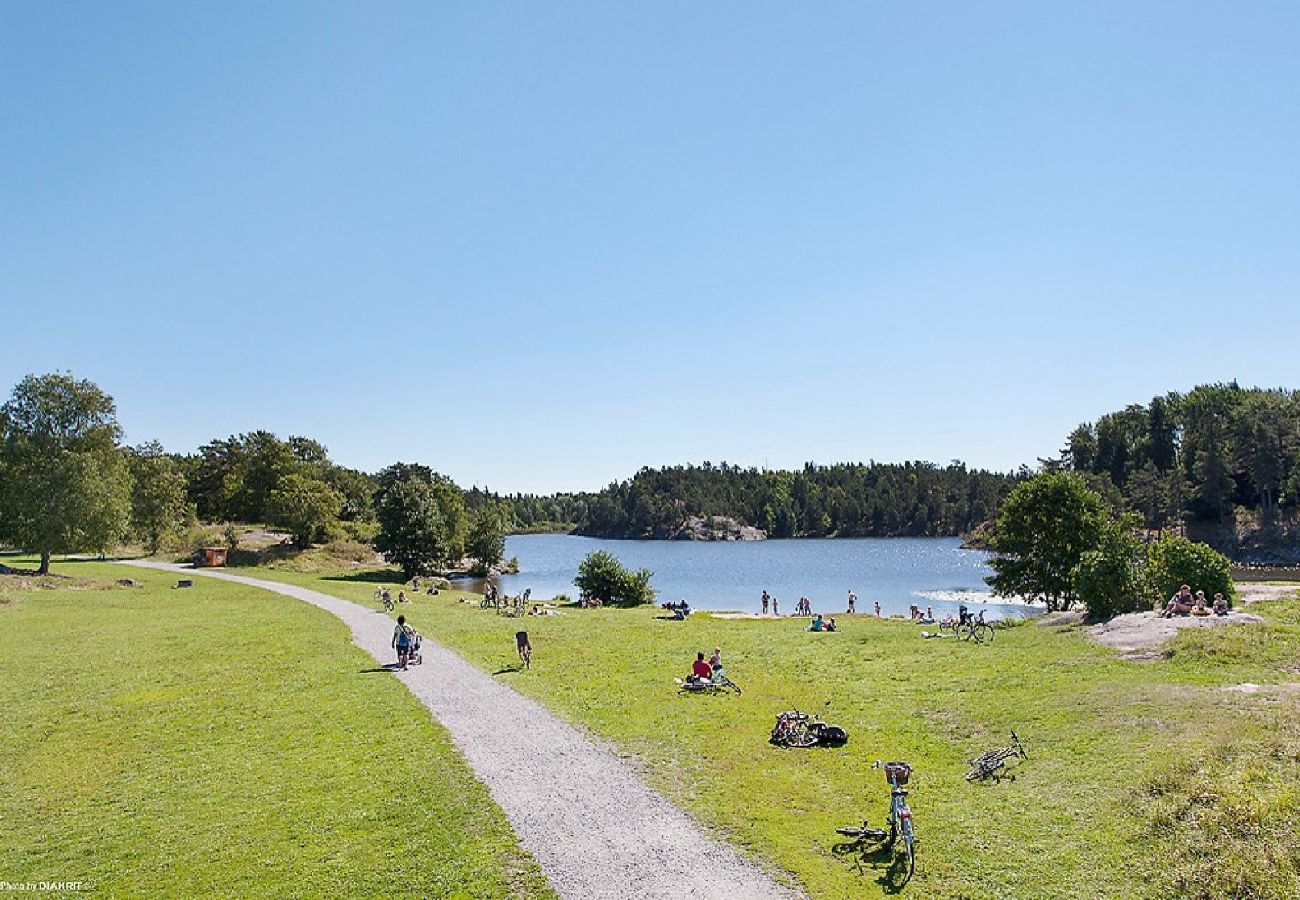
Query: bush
1112, 578
602, 577
1176, 561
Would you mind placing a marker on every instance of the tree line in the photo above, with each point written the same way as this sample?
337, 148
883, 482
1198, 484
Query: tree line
67, 485
842, 500
1219, 453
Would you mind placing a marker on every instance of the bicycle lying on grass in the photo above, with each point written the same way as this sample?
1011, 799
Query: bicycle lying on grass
987, 764
718, 684
799, 729
899, 819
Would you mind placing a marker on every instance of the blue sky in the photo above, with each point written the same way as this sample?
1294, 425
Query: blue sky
538, 246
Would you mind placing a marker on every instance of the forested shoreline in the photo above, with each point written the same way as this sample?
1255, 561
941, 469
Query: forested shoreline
1220, 463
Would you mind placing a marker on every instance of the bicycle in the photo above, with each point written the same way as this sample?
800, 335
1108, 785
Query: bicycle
975, 627
987, 764
900, 816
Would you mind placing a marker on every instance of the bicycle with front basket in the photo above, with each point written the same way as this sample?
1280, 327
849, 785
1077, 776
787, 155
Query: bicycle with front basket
899, 819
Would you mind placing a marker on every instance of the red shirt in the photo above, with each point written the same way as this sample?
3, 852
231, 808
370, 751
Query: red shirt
701, 669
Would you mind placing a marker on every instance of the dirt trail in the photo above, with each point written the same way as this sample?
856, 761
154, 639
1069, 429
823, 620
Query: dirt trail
596, 830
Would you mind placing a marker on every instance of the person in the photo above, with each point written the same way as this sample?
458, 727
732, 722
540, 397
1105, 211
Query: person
816, 624
775, 607
534, 611
402, 642
701, 670
415, 584
1180, 604
1200, 608
830, 625
853, 602
877, 608
766, 599
388, 599
715, 661
401, 597
1220, 605
523, 648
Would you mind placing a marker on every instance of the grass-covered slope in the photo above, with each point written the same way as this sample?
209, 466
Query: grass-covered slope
225, 741
1145, 779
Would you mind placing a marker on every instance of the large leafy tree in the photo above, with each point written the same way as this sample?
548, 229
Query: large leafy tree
421, 520
158, 504
486, 541
307, 507
64, 485
1045, 527
1111, 579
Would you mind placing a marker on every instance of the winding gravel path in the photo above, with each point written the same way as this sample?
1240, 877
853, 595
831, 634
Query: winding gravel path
596, 830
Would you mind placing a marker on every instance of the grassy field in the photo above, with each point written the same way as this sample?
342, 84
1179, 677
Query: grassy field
224, 741
1144, 780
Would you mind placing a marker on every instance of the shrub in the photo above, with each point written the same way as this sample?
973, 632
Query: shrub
1176, 561
603, 577
1112, 578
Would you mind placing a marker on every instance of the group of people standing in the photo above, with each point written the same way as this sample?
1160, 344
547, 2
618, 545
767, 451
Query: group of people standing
804, 606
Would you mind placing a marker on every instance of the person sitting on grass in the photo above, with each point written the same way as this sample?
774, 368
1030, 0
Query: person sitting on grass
715, 661
817, 624
1200, 608
830, 625
1180, 604
1220, 605
700, 669
402, 642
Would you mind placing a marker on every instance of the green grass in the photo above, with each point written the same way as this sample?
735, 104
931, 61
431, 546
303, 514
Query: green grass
1144, 779
224, 741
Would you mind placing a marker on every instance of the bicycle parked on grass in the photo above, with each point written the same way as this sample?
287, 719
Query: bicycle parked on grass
899, 819
988, 764
969, 626
799, 729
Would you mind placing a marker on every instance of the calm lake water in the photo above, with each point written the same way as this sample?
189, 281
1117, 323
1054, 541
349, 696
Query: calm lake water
732, 575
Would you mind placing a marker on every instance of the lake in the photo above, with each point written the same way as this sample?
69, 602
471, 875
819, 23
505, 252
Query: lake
897, 572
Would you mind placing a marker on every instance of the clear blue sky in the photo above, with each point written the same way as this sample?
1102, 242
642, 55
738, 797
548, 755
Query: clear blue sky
538, 245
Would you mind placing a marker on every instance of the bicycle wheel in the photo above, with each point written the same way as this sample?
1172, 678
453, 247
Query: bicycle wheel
965, 632
731, 684
909, 845
864, 833
984, 632
801, 739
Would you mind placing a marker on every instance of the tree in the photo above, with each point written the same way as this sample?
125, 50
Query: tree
307, 507
1176, 561
486, 543
602, 576
421, 524
158, 505
1112, 578
1045, 527
64, 486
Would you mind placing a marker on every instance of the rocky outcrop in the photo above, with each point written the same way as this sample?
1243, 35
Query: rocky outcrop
711, 528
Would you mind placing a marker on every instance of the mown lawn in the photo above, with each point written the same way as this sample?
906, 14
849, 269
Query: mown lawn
225, 741
1144, 779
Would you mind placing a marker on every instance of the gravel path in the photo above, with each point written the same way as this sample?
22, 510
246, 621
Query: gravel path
596, 830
